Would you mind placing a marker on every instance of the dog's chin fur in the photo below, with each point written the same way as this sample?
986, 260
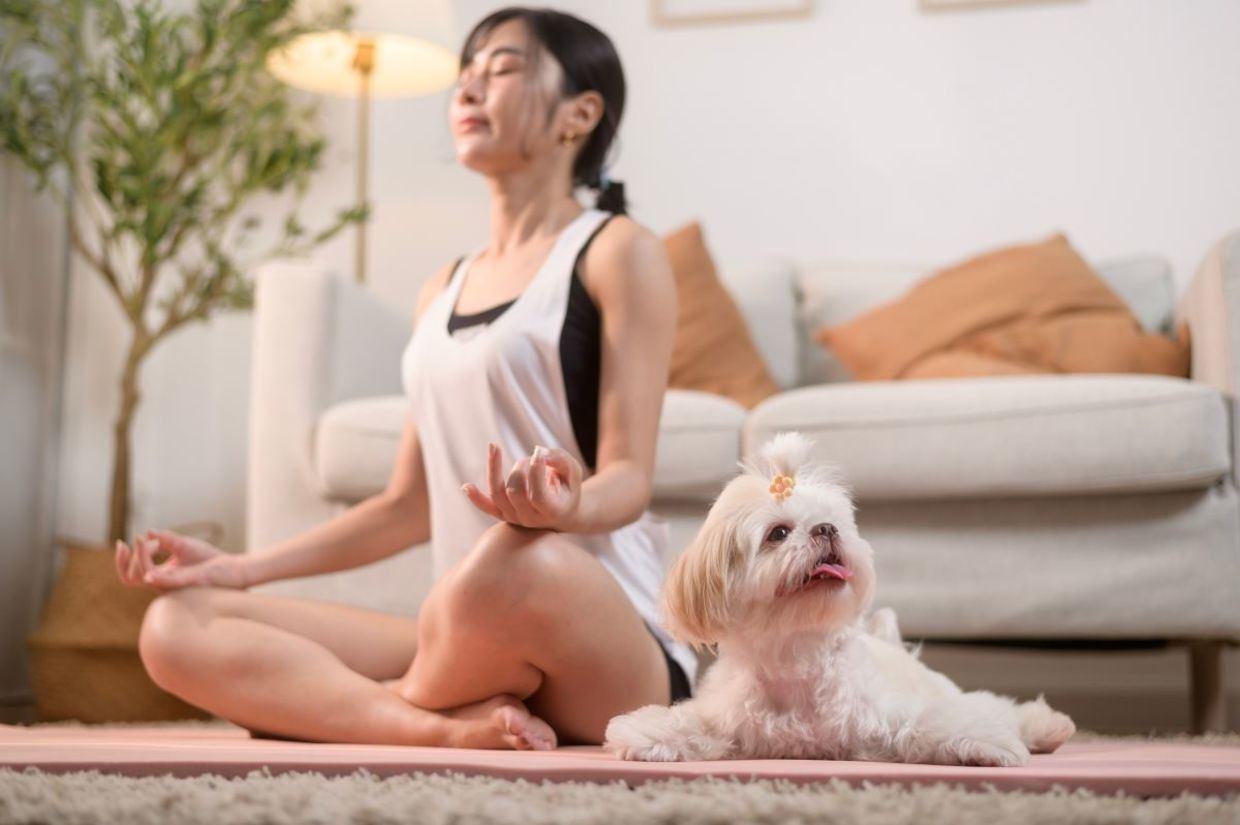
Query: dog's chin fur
800, 672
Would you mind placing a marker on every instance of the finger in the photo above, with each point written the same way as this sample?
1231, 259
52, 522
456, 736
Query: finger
519, 495
540, 489
149, 548
514, 482
161, 547
565, 465
495, 481
532, 468
169, 577
135, 560
482, 501
142, 556
122, 561
173, 544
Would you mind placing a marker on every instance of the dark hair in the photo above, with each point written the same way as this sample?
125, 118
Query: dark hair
590, 63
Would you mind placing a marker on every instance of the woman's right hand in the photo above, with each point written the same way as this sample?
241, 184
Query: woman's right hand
190, 562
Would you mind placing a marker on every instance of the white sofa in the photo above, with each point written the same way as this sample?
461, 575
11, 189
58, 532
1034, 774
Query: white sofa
1074, 509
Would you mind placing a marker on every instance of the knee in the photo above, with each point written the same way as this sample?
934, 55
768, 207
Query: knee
166, 638
513, 571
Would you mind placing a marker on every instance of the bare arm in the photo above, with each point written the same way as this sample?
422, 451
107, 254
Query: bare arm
373, 529
627, 272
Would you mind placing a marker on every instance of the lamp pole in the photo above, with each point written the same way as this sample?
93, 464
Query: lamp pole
364, 63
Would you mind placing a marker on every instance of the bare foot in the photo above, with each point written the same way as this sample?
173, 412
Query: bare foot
499, 722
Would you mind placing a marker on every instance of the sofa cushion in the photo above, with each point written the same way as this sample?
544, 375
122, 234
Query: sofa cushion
1036, 305
355, 446
765, 294
714, 350
1040, 435
831, 293
699, 445
356, 442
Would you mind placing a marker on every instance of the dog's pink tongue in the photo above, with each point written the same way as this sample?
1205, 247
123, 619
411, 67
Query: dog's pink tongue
837, 571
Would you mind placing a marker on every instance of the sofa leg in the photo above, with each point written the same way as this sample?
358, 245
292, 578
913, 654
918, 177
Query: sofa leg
1209, 700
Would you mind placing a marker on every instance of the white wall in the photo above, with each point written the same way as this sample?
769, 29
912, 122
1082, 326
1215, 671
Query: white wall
872, 130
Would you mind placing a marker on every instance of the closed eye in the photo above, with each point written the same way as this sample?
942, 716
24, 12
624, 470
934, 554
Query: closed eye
777, 533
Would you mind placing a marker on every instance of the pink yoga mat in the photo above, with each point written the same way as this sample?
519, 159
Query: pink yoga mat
1138, 768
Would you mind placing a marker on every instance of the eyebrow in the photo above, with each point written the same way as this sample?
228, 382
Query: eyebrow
499, 50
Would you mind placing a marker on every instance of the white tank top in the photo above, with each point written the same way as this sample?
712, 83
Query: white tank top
505, 383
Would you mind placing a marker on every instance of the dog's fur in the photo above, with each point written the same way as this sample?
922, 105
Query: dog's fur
800, 672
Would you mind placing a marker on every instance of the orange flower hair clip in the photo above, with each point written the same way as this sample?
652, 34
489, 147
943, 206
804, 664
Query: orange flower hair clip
781, 487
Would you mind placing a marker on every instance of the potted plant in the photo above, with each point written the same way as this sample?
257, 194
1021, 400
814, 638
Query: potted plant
158, 131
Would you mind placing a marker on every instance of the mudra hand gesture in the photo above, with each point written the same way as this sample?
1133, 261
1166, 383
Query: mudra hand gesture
542, 490
190, 561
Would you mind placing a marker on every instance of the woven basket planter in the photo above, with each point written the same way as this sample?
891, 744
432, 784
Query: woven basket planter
84, 660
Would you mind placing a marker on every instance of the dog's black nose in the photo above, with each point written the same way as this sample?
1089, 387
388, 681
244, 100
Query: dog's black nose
825, 530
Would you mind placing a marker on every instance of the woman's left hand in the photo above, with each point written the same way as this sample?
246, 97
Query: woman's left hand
541, 490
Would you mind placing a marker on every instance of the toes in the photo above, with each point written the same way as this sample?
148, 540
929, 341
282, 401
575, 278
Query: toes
526, 732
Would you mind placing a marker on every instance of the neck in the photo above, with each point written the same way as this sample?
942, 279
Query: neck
527, 207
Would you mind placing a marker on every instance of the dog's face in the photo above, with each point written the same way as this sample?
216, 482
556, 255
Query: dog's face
771, 564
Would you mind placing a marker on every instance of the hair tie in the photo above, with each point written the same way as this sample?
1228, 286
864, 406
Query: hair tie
781, 486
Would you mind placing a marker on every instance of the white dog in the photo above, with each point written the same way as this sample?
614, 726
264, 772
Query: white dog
780, 580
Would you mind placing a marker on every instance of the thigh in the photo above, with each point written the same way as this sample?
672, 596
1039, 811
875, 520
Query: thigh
375, 644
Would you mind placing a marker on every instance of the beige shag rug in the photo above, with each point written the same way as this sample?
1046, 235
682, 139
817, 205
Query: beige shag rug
32, 796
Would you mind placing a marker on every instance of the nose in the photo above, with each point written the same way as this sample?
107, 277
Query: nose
825, 530
469, 89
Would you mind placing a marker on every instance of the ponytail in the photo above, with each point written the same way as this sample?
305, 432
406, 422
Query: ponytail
610, 195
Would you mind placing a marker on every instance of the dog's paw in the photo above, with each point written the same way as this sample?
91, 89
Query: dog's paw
658, 733
645, 735
983, 753
1042, 728
656, 752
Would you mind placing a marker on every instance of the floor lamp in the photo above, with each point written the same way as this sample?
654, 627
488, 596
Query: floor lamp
364, 65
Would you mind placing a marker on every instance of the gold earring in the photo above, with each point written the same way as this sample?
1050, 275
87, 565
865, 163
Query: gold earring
567, 138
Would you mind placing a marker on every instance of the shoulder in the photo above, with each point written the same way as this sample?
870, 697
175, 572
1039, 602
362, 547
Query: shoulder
626, 257
433, 286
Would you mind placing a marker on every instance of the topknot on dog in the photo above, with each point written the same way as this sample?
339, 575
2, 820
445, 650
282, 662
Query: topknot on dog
788, 454
785, 454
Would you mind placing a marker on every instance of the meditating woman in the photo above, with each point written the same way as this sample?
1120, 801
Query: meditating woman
535, 378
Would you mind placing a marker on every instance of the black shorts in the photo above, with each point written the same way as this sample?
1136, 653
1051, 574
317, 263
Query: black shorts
677, 679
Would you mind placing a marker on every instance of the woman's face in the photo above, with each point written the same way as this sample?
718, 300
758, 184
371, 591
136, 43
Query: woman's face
499, 108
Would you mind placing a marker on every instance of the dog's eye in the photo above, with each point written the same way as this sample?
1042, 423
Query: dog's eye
778, 533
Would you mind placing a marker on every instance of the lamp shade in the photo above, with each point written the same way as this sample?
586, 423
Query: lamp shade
408, 47
325, 62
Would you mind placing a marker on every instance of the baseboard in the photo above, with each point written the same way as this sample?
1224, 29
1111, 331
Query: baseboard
17, 714
1131, 691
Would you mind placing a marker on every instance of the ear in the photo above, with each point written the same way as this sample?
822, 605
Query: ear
586, 111
695, 593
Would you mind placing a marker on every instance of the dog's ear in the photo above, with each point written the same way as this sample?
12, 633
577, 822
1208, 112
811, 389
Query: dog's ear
695, 593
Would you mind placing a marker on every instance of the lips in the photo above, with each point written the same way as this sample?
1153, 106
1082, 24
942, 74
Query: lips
467, 123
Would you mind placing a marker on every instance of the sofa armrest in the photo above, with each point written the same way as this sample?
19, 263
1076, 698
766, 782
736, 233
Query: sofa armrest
319, 339
1211, 306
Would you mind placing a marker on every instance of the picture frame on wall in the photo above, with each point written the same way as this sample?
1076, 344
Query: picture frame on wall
966, 4
699, 12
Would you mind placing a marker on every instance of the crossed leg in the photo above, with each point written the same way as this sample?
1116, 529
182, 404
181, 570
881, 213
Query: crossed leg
532, 614
527, 615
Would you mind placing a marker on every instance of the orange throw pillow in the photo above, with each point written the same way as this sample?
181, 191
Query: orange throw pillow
1030, 308
714, 351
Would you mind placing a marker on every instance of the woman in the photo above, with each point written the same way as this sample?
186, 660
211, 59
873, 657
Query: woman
547, 348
